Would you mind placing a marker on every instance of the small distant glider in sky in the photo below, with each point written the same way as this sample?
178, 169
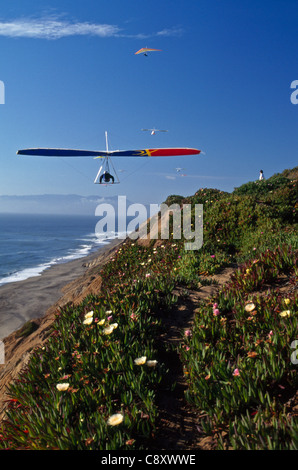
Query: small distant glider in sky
153, 131
179, 169
103, 176
145, 51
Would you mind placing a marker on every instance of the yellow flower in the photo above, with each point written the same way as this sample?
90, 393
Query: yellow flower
287, 301
248, 271
115, 419
62, 387
101, 322
140, 360
285, 313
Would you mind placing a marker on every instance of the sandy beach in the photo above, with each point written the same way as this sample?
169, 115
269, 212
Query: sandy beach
30, 299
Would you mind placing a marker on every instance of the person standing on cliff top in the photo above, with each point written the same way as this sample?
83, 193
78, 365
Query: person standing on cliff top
261, 177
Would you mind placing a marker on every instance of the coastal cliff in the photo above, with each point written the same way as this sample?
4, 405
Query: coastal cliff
34, 333
177, 343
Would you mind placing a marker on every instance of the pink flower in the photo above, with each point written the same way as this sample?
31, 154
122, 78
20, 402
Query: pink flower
216, 312
215, 306
187, 333
236, 372
270, 333
148, 275
212, 256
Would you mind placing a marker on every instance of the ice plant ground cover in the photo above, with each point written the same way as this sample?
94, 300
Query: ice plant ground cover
94, 384
237, 359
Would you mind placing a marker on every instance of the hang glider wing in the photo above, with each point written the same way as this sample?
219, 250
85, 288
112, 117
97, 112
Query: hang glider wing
161, 152
48, 152
144, 50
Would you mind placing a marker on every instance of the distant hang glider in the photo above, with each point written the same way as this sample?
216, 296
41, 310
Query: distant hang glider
153, 131
145, 51
107, 154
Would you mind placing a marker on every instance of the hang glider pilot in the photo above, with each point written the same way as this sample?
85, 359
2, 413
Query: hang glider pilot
106, 177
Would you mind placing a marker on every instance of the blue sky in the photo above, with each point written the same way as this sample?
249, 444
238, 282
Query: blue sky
221, 84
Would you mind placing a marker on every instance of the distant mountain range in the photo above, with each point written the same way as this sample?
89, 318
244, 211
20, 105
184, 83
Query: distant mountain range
71, 204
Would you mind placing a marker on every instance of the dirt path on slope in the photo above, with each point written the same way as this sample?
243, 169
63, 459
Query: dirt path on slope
177, 424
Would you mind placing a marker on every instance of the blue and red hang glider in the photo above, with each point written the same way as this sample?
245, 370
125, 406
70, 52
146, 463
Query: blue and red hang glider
104, 173
161, 152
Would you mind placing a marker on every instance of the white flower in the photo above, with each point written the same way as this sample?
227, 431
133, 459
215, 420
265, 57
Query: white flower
62, 387
151, 363
115, 419
88, 321
140, 360
89, 314
249, 307
108, 330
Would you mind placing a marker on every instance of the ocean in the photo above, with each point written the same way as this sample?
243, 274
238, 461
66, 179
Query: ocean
31, 243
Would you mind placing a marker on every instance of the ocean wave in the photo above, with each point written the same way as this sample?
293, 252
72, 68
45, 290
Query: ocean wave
24, 274
89, 243
71, 255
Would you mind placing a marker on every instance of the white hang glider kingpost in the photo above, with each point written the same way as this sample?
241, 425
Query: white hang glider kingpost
103, 176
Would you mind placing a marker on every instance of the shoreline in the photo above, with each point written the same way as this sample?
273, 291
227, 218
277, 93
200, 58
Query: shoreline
31, 298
